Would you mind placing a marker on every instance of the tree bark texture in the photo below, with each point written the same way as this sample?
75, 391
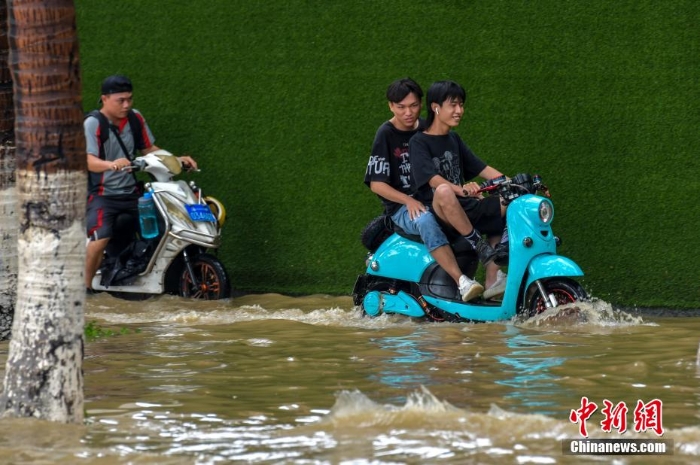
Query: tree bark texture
7, 121
43, 375
8, 192
8, 239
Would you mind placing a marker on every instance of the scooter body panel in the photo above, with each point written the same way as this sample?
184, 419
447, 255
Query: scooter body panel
549, 266
151, 280
170, 199
400, 258
376, 302
472, 311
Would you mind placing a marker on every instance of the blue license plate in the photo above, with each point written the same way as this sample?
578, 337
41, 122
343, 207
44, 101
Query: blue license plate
200, 213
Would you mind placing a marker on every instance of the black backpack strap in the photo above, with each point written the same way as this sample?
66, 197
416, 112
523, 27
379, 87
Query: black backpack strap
136, 129
129, 156
104, 130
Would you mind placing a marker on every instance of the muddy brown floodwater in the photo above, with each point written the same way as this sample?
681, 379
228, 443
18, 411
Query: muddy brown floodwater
309, 380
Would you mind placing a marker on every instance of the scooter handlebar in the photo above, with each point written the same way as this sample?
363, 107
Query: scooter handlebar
139, 164
492, 184
187, 167
511, 188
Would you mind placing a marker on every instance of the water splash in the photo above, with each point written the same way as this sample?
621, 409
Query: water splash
423, 414
584, 316
349, 403
317, 310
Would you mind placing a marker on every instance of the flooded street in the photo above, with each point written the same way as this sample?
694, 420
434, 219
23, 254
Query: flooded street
308, 380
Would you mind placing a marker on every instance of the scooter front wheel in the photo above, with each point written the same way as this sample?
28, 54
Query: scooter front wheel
210, 279
564, 290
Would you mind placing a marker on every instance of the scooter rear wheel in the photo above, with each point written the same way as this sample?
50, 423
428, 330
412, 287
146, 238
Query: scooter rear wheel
210, 276
565, 291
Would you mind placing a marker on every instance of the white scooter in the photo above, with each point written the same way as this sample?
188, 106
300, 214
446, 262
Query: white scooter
177, 260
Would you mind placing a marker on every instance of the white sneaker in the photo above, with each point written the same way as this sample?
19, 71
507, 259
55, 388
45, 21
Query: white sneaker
469, 288
498, 287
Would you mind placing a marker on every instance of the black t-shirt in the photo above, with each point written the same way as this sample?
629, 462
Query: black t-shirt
447, 156
389, 161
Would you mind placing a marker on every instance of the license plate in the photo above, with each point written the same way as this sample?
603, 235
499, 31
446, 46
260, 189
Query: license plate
200, 213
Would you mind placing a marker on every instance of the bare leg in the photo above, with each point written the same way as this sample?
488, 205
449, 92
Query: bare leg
445, 257
448, 208
491, 270
93, 259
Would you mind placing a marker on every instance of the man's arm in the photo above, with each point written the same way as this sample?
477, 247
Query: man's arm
436, 180
470, 164
150, 149
490, 172
97, 165
472, 189
415, 208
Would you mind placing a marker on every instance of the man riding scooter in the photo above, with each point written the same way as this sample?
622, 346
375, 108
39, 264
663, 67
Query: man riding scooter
388, 173
113, 135
441, 161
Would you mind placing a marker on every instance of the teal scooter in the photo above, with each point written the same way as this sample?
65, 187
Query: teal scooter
401, 276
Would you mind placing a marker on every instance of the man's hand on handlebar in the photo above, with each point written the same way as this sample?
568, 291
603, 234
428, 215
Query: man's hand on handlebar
188, 162
118, 164
490, 184
471, 189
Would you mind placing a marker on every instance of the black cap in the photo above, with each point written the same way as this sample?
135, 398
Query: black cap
116, 84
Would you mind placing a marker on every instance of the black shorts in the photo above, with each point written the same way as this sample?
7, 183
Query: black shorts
484, 214
102, 211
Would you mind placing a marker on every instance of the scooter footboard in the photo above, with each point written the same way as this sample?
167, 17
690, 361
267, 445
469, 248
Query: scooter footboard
548, 266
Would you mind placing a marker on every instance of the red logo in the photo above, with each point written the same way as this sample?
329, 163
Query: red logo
581, 415
647, 416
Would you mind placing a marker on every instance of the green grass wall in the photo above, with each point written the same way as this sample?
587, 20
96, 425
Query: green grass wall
279, 101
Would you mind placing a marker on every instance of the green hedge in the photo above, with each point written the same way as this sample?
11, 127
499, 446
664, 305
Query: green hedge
279, 102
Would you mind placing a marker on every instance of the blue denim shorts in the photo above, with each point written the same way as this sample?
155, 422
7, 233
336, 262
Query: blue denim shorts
426, 226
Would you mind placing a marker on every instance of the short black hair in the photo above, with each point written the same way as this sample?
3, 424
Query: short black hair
441, 91
116, 84
399, 89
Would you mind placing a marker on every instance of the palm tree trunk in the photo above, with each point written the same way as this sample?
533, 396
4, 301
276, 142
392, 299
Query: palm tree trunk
44, 376
8, 191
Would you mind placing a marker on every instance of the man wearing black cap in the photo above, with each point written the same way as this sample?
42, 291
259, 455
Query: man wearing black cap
112, 191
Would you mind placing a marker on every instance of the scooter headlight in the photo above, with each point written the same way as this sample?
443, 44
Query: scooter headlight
546, 211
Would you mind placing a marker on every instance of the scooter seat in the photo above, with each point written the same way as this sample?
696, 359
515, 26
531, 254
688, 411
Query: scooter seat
123, 233
411, 237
